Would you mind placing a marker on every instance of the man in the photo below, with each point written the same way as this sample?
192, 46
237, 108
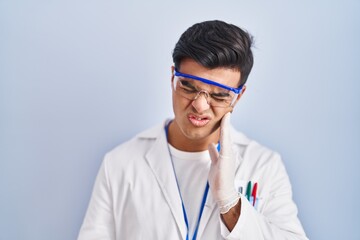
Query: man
195, 177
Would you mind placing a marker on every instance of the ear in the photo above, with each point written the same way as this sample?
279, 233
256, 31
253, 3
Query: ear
238, 97
172, 77
242, 91
172, 73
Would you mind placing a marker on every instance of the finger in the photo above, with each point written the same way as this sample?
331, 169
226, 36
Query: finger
214, 155
225, 142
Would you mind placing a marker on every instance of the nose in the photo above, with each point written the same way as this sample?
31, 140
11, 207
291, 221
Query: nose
200, 102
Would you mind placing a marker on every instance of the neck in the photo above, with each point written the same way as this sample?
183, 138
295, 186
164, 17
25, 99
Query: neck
179, 141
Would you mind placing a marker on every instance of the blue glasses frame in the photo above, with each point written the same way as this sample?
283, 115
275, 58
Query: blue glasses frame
204, 80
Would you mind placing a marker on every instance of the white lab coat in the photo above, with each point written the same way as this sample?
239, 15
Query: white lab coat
135, 195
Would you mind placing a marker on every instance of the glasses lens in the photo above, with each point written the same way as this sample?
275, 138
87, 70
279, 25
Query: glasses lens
215, 96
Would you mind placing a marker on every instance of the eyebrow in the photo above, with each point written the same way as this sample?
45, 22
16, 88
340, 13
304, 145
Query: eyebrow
220, 94
195, 87
187, 82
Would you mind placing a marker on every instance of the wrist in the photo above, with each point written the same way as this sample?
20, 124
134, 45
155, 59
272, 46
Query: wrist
229, 202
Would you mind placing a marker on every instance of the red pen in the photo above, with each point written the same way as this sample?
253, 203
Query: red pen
253, 194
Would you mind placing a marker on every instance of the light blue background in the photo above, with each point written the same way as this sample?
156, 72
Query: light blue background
79, 77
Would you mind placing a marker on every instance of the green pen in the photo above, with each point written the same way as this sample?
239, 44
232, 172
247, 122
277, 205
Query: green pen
248, 190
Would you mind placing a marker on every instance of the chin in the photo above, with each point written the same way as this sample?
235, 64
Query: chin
192, 133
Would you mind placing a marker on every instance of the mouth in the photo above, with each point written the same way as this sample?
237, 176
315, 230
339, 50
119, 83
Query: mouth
198, 121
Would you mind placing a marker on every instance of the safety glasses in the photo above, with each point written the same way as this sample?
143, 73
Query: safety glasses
217, 95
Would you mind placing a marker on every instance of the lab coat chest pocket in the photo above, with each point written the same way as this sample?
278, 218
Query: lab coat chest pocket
251, 189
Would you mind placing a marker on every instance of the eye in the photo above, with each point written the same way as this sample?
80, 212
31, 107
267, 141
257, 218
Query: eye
187, 86
221, 97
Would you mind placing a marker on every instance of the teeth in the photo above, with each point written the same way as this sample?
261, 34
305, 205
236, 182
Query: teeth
198, 119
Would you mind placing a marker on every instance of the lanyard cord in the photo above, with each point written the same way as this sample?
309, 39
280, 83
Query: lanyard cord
182, 202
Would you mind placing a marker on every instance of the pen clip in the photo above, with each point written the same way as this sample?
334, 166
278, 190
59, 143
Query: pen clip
248, 191
253, 194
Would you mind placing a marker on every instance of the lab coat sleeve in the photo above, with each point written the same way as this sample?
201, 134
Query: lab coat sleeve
277, 218
99, 220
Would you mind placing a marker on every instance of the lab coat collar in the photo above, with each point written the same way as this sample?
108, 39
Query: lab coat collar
152, 133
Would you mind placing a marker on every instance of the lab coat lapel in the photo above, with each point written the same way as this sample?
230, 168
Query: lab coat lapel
159, 161
209, 208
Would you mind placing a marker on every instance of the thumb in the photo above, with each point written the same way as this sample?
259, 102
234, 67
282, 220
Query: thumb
214, 155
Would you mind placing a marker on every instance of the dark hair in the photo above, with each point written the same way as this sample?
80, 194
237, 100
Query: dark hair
216, 44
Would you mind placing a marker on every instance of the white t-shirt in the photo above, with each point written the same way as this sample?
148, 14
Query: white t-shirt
192, 170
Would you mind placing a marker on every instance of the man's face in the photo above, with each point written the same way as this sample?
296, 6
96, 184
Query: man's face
196, 119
